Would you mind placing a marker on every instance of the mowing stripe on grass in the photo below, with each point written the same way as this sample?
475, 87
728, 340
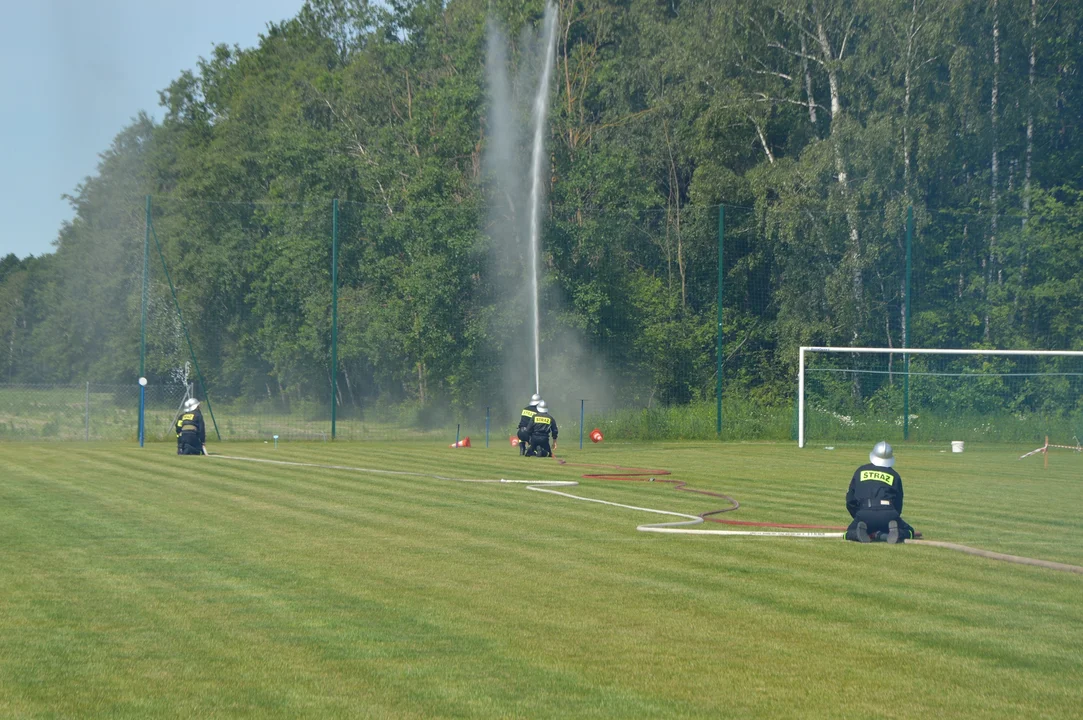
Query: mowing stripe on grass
1063, 567
136, 584
546, 486
676, 527
638, 475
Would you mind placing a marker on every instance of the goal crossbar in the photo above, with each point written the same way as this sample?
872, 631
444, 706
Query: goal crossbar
896, 351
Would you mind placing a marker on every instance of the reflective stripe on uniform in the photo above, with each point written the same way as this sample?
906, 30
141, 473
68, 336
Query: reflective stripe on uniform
883, 477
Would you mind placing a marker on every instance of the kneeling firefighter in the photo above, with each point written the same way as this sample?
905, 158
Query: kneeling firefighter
541, 428
191, 432
525, 419
875, 500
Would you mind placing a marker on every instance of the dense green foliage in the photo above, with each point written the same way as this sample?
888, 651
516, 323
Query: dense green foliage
814, 124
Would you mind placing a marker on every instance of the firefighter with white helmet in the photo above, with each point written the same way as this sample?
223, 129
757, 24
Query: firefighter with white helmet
541, 428
525, 419
875, 500
191, 432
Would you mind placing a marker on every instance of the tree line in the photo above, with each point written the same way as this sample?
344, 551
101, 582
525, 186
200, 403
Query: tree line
813, 126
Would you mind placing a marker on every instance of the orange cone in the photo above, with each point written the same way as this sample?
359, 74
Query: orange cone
514, 440
465, 442
596, 435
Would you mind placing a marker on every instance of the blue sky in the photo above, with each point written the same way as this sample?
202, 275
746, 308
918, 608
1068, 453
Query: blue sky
74, 73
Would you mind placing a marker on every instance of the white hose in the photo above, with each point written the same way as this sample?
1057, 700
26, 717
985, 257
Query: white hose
675, 528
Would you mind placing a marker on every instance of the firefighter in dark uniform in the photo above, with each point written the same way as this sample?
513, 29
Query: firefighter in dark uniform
875, 500
541, 428
524, 422
191, 432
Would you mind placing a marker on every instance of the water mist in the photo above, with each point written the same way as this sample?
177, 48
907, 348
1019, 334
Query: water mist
517, 206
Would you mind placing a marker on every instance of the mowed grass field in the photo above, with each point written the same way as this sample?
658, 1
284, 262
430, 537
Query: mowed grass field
138, 584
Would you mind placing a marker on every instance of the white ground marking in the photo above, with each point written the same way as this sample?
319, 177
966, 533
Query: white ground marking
546, 486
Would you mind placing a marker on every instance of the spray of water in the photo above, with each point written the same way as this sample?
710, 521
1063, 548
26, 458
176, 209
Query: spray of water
540, 114
515, 168
518, 100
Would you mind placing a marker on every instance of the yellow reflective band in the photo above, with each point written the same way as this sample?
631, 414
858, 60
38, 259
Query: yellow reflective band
878, 476
529, 413
542, 419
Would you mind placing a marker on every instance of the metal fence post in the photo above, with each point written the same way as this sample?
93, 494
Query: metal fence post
718, 352
582, 402
906, 322
334, 314
87, 421
142, 409
143, 316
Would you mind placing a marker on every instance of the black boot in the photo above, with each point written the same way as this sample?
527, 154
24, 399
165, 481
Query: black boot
859, 534
893, 537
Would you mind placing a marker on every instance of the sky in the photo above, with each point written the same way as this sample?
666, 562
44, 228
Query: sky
74, 73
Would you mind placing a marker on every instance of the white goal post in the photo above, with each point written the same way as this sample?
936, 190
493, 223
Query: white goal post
897, 351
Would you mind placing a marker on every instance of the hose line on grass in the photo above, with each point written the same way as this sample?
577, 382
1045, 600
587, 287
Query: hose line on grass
628, 474
547, 486
681, 526
1063, 567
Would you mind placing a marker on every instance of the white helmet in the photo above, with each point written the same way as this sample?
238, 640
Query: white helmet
542, 407
882, 455
190, 404
535, 399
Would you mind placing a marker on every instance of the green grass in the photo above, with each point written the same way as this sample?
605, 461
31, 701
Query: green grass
138, 584
65, 413
742, 420
943, 427
111, 413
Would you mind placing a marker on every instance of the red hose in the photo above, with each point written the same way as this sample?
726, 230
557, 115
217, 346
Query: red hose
642, 474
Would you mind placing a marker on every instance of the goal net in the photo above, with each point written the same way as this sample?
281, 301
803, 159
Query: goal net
939, 395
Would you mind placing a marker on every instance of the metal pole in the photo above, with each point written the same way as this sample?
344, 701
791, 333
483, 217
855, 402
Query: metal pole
88, 412
143, 315
941, 351
143, 310
486, 426
801, 399
906, 322
334, 312
718, 368
582, 402
142, 405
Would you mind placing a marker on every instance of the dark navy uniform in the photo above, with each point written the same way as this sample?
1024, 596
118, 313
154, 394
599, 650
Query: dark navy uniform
542, 427
875, 497
523, 432
191, 433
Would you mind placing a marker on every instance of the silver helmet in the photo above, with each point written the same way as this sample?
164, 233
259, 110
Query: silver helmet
535, 399
882, 455
542, 407
190, 404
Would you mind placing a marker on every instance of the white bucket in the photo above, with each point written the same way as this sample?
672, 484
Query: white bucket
956, 446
